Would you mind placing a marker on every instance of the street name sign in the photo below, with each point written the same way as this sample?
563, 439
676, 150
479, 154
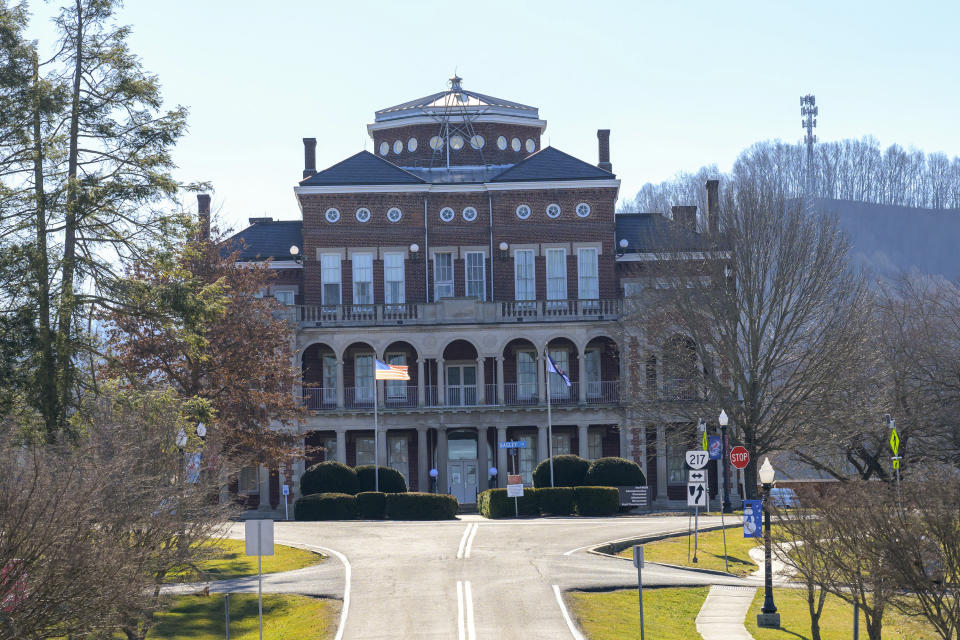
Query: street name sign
739, 457
697, 459
697, 494
517, 444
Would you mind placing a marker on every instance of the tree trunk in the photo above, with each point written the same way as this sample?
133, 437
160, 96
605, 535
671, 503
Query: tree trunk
815, 609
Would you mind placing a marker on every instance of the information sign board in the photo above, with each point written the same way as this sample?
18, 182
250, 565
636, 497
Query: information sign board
633, 496
514, 490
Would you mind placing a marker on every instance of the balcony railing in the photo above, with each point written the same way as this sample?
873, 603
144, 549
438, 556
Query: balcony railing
454, 311
514, 395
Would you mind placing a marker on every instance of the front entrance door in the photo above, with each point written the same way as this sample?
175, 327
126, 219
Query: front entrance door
461, 385
463, 480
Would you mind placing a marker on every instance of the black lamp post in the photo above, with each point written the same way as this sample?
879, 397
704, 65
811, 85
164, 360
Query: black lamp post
768, 616
725, 460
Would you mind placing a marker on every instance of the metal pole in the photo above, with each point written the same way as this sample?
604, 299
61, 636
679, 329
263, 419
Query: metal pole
768, 606
727, 508
226, 610
696, 531
549, 419
260, 575
376, 435
286, 509
640, 590
723, 530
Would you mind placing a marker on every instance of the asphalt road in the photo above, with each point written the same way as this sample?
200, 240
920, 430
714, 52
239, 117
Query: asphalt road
470, 579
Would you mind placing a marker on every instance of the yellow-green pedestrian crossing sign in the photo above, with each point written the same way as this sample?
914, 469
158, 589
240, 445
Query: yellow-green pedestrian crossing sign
894, 441
706, 443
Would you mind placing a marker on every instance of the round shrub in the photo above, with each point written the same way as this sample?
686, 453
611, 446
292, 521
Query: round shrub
421, 506
325, 506
328, 477
556, 501
597, 501
372, 505
391, 480
568, 471
615, 472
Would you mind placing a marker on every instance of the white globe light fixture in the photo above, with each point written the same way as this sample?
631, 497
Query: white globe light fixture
623, 243
414, 247
766, 472
493, 471
294, 250
434, 473
723, 419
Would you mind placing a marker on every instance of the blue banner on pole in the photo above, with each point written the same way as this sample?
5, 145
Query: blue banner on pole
752, 518
715, 447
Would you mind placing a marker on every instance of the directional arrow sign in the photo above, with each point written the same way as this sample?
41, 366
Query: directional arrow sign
696, 476
697, 459
697, 494
894, 441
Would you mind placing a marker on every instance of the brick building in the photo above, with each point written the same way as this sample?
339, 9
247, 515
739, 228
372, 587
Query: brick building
465, 250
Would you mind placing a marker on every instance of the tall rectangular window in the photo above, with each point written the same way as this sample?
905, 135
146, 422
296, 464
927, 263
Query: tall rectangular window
524, 280
363, 378
394, 287
592, 373
528, 458
365, 450
362, 278
329, 380
476, 275
398, 456
284, 297
594, 444
556, 274
558, 388
526, 375
396, 389
588, 285
330, 278
443, 275
562, 445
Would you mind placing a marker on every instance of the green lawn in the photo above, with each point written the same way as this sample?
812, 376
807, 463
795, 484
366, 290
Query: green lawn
836, 623
615, 615
285, 617
710, 554
233, 563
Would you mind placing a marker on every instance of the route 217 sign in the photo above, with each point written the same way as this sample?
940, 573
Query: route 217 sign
697, 459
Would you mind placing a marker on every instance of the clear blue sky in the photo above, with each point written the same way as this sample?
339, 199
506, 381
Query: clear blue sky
681, 84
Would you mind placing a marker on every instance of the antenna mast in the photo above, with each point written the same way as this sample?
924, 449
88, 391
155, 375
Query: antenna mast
809, 111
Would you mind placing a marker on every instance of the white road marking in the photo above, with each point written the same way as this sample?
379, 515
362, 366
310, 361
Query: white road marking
460, 633
473, 533
346, 582
566, 616
463, 541
468, 596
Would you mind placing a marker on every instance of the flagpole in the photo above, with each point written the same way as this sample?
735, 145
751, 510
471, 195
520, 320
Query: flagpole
376, 435
549, 417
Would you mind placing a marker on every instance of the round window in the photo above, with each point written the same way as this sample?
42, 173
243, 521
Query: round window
469, 214
502, 143
446, 214
523, 212
398, 146
456, 143
583, 209
477, 142
384, 148
394, 214
515, 144
332, 215
531, 145
436, 142
553, 210
412, 144
363, 214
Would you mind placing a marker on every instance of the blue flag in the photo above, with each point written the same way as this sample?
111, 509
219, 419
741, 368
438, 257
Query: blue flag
553, 368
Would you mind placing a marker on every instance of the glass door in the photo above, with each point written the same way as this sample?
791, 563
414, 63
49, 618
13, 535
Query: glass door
461, 385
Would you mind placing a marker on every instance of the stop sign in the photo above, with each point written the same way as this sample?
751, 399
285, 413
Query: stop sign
739, 457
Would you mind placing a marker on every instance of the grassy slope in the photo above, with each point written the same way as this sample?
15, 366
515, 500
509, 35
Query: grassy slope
234, 563
710, 554
284, 618
836, 623
615, 615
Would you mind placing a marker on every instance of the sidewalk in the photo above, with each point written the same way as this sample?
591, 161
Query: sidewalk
723, 613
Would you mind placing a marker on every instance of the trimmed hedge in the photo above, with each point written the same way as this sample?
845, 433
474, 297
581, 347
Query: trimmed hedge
325, 506
494, 503
597, 501
568, 471
372, 505
328, 477
556, 501
421, 506
391, 480
614, 472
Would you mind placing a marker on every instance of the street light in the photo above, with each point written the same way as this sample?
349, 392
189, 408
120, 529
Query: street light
493, 478
768, 616
724, 420
295, 254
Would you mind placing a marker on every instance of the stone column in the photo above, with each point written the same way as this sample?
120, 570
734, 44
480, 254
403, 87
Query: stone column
481, 380
441, 383
264, 487
500, 397
584, 441
341, 383
382, 446
341, 446
299, 466
501, 457
582, 368
542, 446
483, 462
541, 383
625, 449
661, 462
423, 457
442, 452
421, 385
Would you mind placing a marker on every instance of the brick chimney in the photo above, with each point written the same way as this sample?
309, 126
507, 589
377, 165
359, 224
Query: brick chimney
713, 207
603, 140
686, 217
309, 157
203, 213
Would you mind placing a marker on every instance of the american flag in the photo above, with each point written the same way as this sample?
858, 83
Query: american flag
384, 371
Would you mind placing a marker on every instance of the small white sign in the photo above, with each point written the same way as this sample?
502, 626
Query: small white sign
514, 490
698, 475
259, 537
286, 489
638, 556
697, 494
697, 459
